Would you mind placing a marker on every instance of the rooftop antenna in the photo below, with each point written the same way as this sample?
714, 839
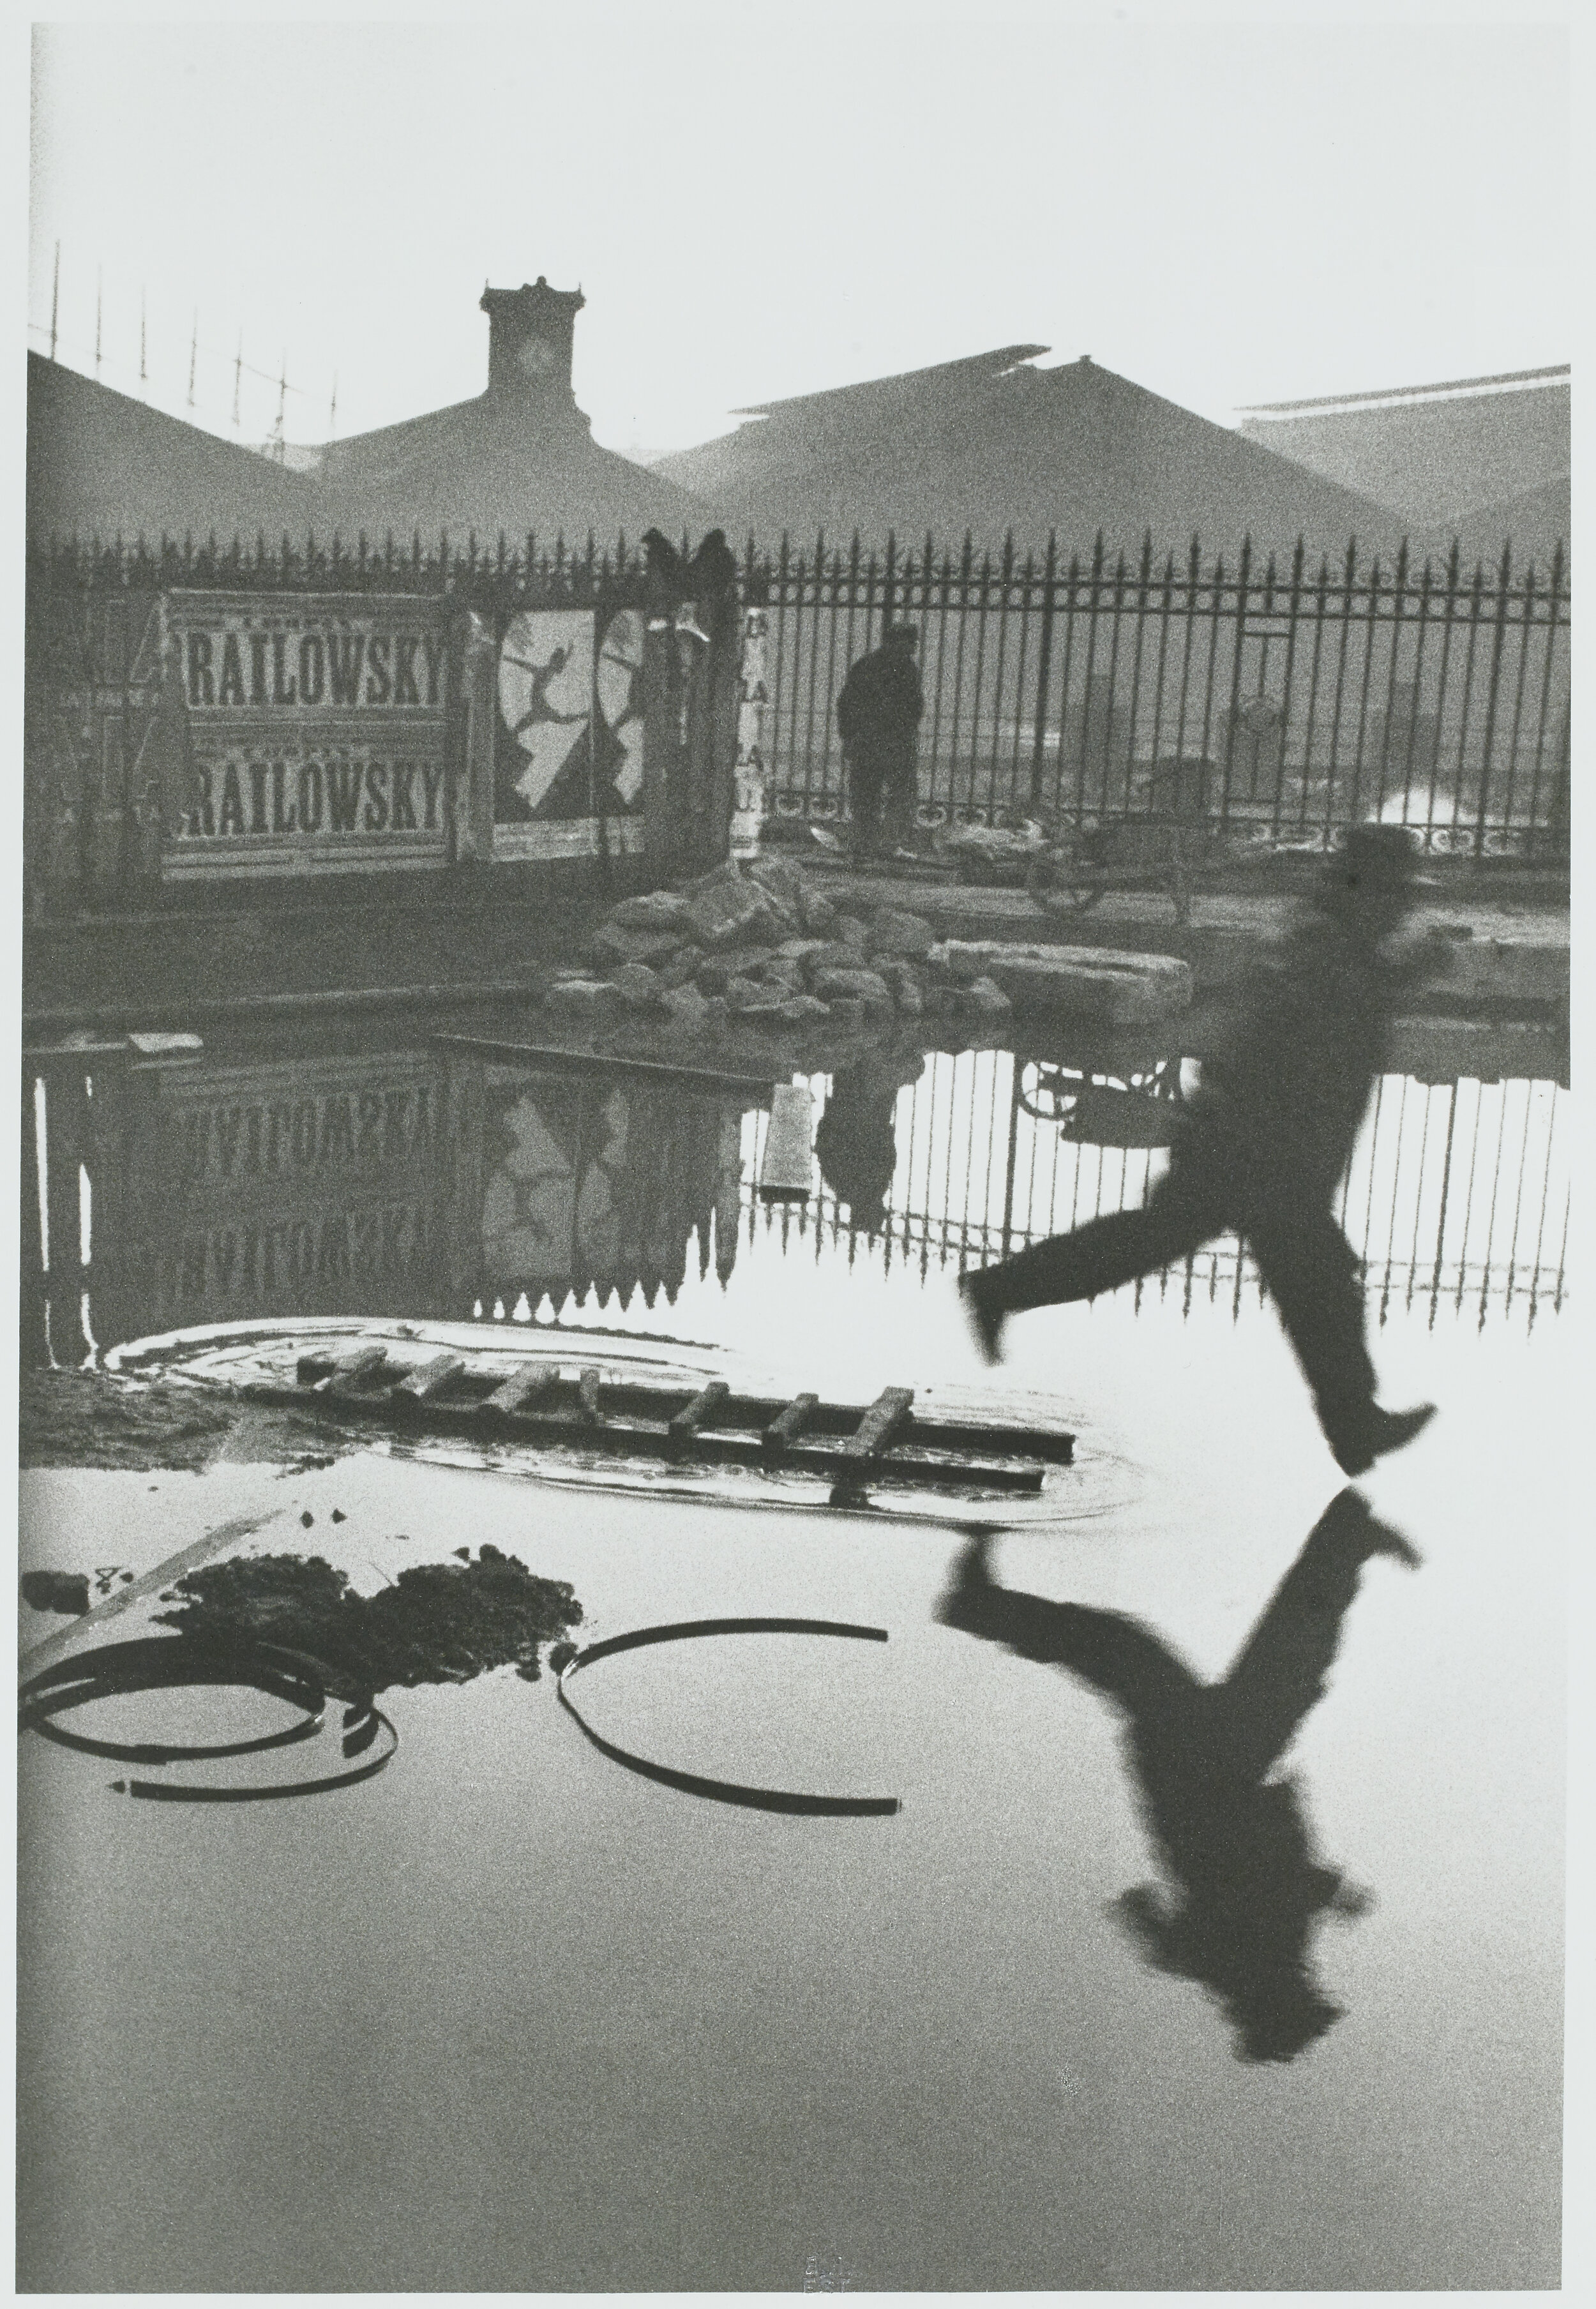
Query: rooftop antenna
193, 355
55, 299
278, 445
238, 375
144, 373
99, 283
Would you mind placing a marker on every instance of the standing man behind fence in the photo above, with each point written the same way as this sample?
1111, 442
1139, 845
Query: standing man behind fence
877, 718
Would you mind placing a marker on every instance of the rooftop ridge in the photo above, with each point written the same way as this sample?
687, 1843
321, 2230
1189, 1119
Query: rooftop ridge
1395, 395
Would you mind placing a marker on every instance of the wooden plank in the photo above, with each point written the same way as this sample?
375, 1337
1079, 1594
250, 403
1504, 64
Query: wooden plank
524, 1384
149, 1583
349, 1370
787, 1174
430, 1377
618, 1436
788, 1425
587, 1389
604, 1062
699, 1411
885, 1419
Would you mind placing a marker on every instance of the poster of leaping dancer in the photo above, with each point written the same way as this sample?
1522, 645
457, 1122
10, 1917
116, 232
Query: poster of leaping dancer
543, 759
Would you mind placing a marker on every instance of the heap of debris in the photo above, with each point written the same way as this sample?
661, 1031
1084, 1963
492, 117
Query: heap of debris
760, 945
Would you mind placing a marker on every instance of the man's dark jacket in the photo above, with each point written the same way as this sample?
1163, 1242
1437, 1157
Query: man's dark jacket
879, 709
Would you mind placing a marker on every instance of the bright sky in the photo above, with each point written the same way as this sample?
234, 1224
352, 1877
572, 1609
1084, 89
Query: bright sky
763, 200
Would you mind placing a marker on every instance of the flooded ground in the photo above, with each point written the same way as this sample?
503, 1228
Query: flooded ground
1139, 1986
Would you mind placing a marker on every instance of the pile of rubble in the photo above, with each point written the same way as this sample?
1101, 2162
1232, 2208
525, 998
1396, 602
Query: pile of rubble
760, 945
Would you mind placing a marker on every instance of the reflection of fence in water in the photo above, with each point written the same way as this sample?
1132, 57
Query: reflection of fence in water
1457, 1195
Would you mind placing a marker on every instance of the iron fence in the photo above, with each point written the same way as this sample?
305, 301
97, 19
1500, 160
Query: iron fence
1285, 702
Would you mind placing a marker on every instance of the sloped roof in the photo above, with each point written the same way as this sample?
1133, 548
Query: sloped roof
1427, 450
992, 445
493, 464
101, 464
1534, 523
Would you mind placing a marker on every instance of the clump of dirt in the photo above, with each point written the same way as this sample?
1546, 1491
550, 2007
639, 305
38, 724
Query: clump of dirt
57, 1591
437, 1623
87, 1419
99, 1419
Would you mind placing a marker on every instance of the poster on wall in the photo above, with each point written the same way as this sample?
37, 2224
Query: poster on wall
316, 734
567, 772
751, 779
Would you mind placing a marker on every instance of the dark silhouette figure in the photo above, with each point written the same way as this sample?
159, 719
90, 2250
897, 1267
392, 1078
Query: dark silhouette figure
854, 1143
1246, 1890
1260, 1147
879, 710
540, 709
711, 578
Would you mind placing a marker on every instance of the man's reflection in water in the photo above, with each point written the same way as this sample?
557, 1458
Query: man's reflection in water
855, 1143
1244, 1890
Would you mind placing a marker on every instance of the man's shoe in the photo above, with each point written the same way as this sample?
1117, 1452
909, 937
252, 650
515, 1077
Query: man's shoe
986, 1325
1381, 1431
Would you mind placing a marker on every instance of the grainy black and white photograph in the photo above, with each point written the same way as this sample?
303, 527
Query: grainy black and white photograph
796, 1399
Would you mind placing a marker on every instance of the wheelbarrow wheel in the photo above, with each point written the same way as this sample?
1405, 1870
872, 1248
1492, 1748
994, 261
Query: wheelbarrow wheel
1061, 885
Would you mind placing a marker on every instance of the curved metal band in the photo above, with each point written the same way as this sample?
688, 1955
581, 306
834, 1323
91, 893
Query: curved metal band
695, 1783
156, 1663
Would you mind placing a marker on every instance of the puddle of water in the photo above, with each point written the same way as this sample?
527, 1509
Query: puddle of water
388, 2030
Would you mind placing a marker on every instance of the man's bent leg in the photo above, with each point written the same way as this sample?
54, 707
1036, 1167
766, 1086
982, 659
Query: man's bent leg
1312, 1274
1182, 1212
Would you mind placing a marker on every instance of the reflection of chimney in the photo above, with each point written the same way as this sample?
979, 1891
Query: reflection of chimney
530, 335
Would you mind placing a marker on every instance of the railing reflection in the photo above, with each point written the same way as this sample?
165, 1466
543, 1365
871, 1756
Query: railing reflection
1457, 1195
422, 1181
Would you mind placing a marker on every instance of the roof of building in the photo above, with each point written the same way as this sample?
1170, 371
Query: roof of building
489, 465
101, 464
993, 444
1534, 524
1393, 395
1431, 452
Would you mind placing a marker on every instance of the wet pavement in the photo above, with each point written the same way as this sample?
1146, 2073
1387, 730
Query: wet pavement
506, 2016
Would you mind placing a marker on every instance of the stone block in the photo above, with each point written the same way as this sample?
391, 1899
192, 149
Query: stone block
817, 913
712, 973
683, 965
984, 999
805, 1010
587, 999
849, 930
779, 880
722, 913
686, 1008
1093, 985
903, 980
908, 935
611, 944
659, 910
746, 998
847, 1015
858, 986
639, 986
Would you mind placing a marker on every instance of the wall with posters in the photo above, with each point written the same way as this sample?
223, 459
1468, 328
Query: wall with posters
316, 734
197, 719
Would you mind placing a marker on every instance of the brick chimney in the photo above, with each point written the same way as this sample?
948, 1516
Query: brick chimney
530, 332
